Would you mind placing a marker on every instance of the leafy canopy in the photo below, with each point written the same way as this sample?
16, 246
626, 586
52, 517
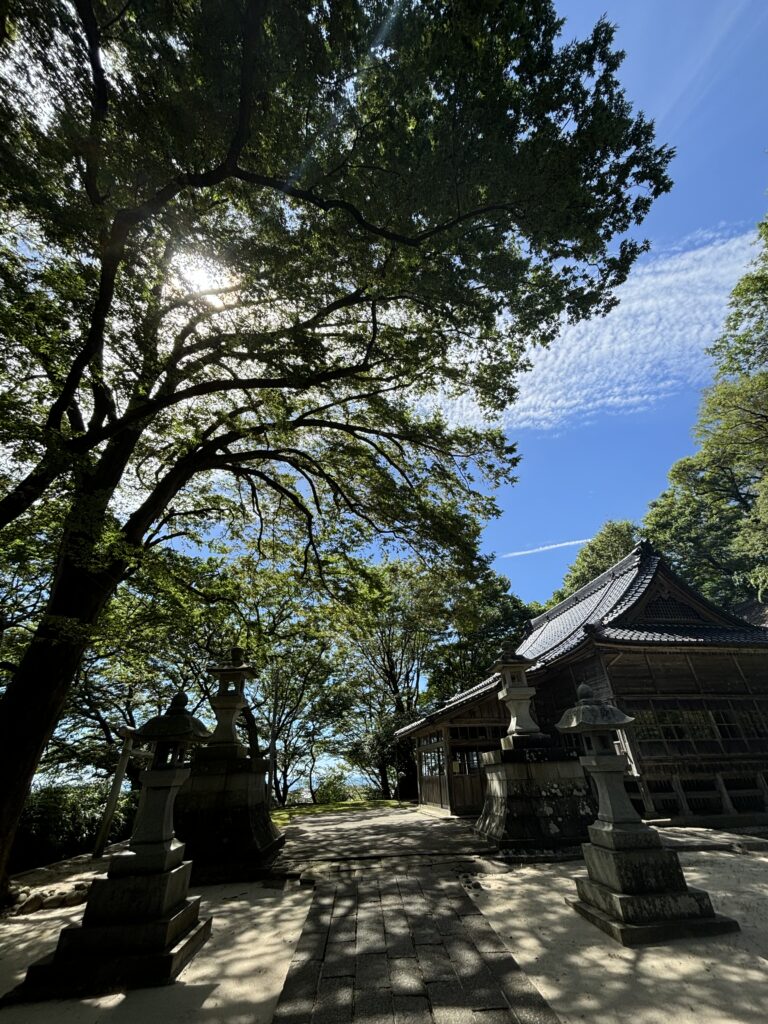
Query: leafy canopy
245, 242
247, 237
712, 521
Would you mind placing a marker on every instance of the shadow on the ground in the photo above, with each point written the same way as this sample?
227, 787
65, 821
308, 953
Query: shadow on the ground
586, 976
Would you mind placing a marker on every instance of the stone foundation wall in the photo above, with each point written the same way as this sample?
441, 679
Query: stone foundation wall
528, 803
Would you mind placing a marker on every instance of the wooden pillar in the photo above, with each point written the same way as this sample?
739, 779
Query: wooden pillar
680, 794
725, 796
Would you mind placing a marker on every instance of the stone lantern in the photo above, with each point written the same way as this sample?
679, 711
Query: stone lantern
222, 812
228, 703
635, 890
517, 695
536, 795
140, 927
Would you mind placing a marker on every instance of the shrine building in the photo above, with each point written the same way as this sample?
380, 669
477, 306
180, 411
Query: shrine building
693, 676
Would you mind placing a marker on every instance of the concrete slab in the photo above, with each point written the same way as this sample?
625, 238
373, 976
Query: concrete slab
236, 978
587, 978
584, 975
361, 836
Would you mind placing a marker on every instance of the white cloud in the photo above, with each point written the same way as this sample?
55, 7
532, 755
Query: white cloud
651, 346
546, 547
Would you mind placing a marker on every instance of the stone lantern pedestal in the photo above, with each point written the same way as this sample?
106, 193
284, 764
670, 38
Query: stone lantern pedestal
537, 796
140, 926
222, 812
635, 890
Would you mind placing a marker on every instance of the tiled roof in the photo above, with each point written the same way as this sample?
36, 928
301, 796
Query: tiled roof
596, 609
561, 629
666, 633
449, 707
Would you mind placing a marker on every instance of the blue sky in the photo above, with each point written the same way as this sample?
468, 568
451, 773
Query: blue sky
608, 409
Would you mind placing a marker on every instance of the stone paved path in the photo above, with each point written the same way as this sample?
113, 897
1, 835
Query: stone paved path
404, 949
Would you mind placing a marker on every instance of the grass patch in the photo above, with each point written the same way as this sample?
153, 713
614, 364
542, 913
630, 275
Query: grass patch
283, 815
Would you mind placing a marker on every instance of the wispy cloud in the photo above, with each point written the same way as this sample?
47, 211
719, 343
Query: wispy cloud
650, 347
717, 36
546, 547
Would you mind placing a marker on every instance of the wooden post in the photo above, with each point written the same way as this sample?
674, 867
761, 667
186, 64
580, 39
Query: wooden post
114, 793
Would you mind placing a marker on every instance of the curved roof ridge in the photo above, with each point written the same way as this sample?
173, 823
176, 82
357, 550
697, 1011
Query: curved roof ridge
562, 628
628, 561
635, 590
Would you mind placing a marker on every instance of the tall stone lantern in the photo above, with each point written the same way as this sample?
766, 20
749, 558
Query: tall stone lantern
140, 926
228, 703
635, 890
536, 795
523, 731
223, 811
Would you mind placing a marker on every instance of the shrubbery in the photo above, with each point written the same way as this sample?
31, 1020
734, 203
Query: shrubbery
62, 821
333, 787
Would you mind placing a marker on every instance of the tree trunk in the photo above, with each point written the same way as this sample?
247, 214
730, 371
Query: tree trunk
34, 699
312, 788
386, 792
83, 581
408, 779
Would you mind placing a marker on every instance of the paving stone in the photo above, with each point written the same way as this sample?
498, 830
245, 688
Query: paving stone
294, 1010
462, 905
493, 1017
483, 935
334, 1002
369, 901
463, 955
392, 899
449, 1002
303, 977
451, 1015
370, 935
448, 923
373, 1007
339, 960
435, 964
484, 991
417, 908
411, 1010
311, 946
398, 937
405, 976
372, 971
371, 940
298, 996
528, 1004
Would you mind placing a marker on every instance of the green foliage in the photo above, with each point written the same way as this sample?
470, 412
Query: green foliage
712, 521
247, 247
365, 802
484, 616
62, 821
333, 786
696, 523
611, 543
